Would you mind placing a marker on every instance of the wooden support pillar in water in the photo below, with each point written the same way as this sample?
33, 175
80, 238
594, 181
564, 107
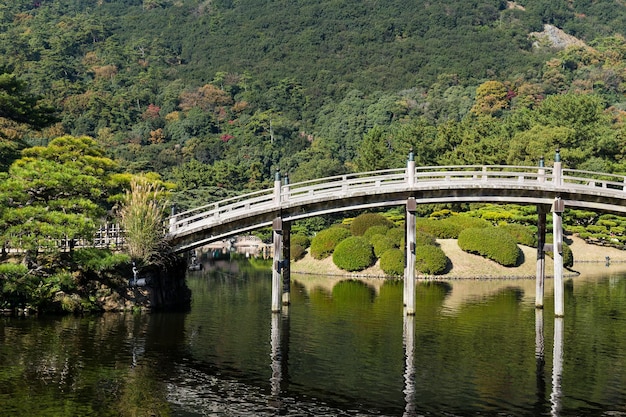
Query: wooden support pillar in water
277, 265
557, 249
541, 256
286, 271
409, 272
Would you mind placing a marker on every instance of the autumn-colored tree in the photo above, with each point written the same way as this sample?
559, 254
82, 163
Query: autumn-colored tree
491, 98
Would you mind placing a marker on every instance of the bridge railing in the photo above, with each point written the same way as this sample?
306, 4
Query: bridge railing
588, 179
363, 181
507, 173
352, 184
384, 181
214, 211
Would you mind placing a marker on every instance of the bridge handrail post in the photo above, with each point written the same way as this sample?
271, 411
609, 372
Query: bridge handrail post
558, 169
410, 169
286, 189
173, 219
277, 188
541, 173
485, 175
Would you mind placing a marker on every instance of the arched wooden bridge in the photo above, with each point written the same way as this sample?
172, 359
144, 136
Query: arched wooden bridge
542, 186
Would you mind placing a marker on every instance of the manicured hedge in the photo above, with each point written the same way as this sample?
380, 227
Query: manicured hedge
522, 234
392, 262
364, 221
296, 252
300, 239
430, 260
323, 243
442, 229
491, 242
396, 234
381, 244
354, 253
423, 239
450, 227
375, 230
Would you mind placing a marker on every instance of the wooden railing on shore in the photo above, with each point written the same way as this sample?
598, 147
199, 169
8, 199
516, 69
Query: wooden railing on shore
108, 236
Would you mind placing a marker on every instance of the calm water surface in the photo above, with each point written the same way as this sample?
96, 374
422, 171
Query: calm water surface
343, 348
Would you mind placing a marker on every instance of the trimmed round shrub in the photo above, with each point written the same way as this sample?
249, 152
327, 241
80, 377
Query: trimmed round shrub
375, 230
430, 260
354, 253
381, 244
568, 256
422, 239
392, 262
522, 234
296, 252
491, 242
396, 234
364, 221
323, 243
300, 239
450, 227
441, 229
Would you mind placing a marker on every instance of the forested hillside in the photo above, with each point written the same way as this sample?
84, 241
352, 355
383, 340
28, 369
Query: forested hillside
217, 94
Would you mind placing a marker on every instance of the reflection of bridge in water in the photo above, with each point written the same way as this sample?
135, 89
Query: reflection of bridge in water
550, 189
280, 329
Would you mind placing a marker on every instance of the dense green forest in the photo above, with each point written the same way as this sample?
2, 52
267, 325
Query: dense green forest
109, 107
215, 95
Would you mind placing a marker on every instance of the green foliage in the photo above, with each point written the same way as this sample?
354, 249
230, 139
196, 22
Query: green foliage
424, 239
375, 230
396, 234
24, 289
266, 234
381, 244
430, 260
55, 193
491, 242
300, 239
296, 252
522, 234
449, 227
392, 262
298, 245
364, 221
99, 260
323, 243
354, 254
142, 217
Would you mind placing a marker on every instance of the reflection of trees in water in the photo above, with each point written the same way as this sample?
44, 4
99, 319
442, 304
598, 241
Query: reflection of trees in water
80, 366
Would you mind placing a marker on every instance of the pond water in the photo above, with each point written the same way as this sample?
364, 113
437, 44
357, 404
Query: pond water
342, 348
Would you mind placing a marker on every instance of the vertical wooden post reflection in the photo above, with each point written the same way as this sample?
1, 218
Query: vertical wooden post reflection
275, 355
541, 256
279, 341
557, 367
540, 362
409, 368
409, 272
